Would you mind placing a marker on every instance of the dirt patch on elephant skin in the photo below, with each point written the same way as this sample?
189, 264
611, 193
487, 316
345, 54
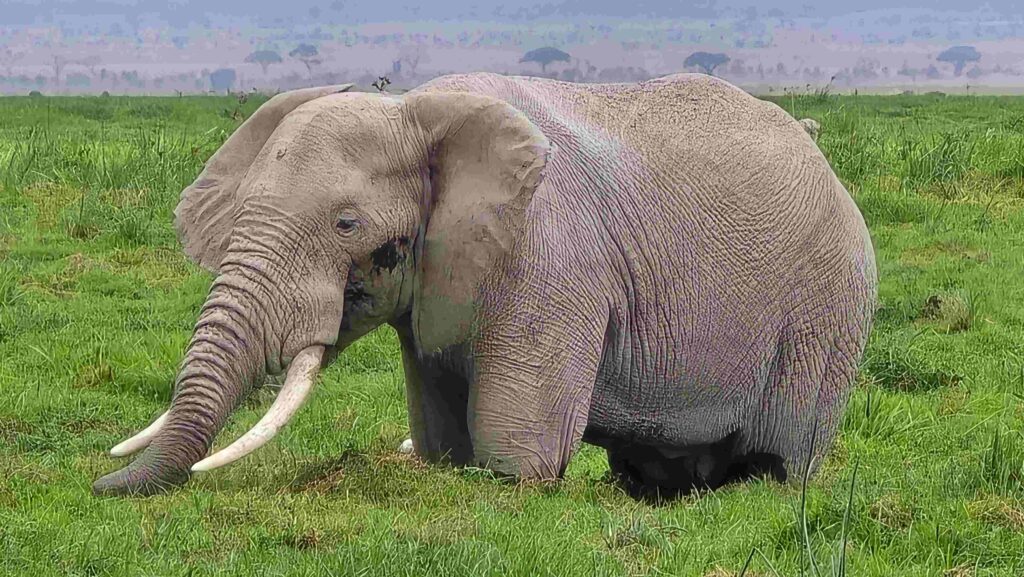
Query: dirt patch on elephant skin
390, 254
358, 302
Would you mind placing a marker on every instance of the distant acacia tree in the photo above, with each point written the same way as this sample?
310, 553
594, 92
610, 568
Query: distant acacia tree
222, 79
706, 61
90, 62
412, 55
959, 56
308, 55
59, 62
8, 58
545, 56
264, 58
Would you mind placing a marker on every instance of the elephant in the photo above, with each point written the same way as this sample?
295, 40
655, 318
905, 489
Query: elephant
668, 270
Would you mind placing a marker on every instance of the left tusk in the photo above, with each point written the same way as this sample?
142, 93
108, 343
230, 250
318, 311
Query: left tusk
140, 440
301, 375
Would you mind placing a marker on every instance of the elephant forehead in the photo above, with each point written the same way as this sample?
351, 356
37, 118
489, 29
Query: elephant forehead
319, 182
343, 121
330, 142
285, 166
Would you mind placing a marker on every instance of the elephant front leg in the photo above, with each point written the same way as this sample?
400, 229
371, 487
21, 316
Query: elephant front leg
529, 405
437, 401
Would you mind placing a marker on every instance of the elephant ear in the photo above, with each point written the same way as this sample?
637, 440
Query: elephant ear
486, 161
205, 213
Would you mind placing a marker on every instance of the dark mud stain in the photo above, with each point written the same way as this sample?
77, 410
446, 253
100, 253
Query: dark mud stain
389, 254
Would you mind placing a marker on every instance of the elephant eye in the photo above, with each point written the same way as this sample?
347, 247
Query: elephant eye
346, 224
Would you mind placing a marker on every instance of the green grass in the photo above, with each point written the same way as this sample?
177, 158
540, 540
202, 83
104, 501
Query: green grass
97, 304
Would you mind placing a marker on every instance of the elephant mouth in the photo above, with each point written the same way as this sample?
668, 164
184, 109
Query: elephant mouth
358, 303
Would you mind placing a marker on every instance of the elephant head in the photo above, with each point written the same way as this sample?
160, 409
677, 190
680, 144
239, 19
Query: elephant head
325, 215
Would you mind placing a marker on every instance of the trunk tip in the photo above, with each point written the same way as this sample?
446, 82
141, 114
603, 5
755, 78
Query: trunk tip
132, 481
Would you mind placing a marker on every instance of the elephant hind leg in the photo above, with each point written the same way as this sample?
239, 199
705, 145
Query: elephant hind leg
653, 473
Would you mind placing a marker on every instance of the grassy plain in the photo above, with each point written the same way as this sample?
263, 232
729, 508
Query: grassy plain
97, 304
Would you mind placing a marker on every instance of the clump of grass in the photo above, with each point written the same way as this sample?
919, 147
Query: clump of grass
83, 221
837, 559
892, 511
941, 161
874, 414
306, 540
1011, 160
949, 312
1003, 465
10, 285
636, 529
896, 368
96, 372
852, 148
903, 374
999, 511
823, 94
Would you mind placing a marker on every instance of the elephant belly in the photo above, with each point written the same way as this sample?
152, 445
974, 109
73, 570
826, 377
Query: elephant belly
672, 427
669, 433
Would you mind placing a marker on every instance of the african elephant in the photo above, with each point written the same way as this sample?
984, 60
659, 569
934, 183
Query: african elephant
669, 270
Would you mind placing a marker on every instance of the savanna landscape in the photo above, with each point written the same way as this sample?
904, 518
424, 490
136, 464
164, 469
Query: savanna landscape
97, 302
145, 47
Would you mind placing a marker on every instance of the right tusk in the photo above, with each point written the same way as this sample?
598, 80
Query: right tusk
301, 375
141, 440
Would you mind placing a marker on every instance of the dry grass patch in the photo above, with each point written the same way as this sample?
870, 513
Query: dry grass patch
949, 312
892, 511
1001, 511
50, 199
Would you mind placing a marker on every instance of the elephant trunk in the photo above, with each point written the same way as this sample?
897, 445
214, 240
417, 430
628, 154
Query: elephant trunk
228, 354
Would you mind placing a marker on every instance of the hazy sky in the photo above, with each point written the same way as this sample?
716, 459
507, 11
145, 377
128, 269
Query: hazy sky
184, 12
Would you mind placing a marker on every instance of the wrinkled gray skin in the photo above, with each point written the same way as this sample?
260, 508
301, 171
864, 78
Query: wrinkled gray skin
669, 270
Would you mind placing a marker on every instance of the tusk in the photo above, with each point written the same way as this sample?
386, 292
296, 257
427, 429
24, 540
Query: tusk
297, 385
141, 440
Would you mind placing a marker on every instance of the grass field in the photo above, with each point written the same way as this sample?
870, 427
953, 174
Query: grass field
97, 304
